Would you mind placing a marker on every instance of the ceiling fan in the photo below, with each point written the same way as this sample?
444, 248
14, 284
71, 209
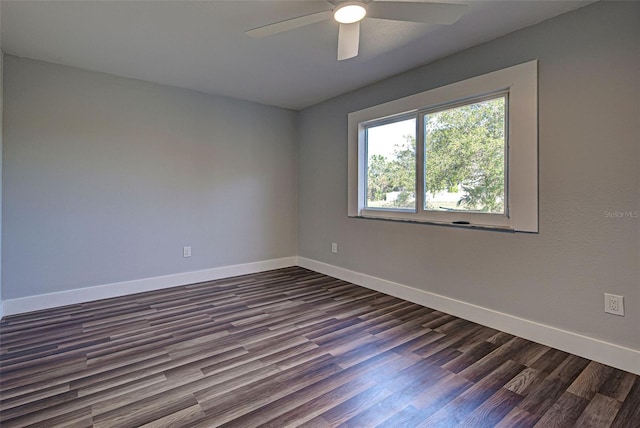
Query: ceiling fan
349, 14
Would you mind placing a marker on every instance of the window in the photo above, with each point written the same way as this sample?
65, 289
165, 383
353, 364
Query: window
463, 154
391, 161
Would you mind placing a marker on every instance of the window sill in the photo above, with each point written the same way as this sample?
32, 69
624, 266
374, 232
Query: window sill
445, 224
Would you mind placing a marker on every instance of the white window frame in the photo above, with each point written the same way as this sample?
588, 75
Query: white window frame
520, 82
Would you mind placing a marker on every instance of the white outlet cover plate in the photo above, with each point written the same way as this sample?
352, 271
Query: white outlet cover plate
614, 304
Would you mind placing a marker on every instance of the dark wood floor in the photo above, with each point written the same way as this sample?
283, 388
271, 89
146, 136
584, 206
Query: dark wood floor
287, 348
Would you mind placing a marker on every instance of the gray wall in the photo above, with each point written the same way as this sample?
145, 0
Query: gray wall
1, 150
106, 179
589, 104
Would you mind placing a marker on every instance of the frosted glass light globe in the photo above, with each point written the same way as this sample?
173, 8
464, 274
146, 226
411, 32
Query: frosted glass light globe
350, 13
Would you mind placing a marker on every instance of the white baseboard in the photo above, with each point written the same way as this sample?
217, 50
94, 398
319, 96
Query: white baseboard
584, 346
593, 349
81, 295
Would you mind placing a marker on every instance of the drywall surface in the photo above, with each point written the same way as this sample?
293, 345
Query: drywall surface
589, 154
1, 132
107, 178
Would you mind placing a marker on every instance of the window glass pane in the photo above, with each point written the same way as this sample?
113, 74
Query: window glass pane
464, 158
391, 165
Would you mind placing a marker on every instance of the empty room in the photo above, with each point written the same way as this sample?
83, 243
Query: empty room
320, 213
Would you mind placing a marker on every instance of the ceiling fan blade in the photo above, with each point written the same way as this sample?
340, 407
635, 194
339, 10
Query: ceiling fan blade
348, 40
430, 13
289, 24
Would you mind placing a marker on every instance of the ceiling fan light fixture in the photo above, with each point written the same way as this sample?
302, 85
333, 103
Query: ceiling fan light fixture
349, 13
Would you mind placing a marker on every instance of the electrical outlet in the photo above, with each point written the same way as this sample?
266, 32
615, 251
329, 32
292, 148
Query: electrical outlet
614, 304
186, 252
334, 247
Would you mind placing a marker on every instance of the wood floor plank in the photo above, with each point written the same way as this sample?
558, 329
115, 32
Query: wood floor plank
629, 413
600, 412
263, 392
524, 381
9, 403
570, 367
339, 414
589, 382
517, 418
144, 411
564, 412
492, 410
80, 418
309, 410
439, 394
287, 348
618, 385
406, 385
463, 405
178, 419
362, 371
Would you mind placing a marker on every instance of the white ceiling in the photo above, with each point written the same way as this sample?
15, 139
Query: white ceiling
201, 45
